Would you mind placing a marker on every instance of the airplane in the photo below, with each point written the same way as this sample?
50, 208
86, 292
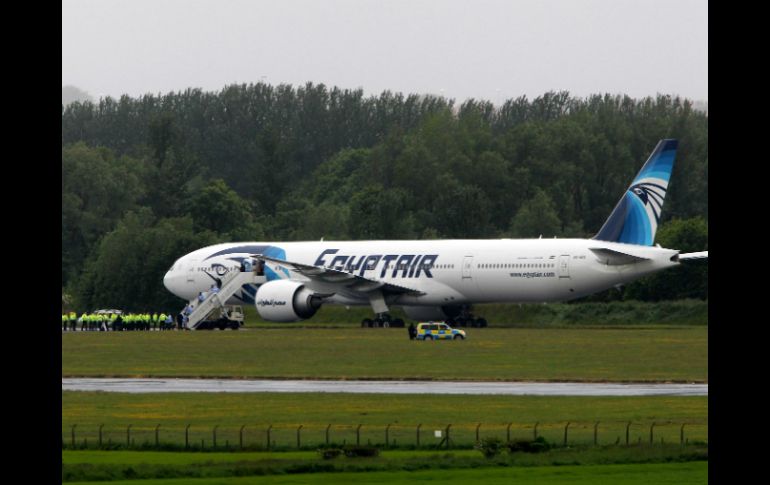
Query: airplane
442, 279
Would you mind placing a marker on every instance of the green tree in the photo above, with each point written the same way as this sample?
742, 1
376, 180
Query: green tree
460, 211
126, 268
97, 189
379, 213
173, 170
328, 221
536, 217
216, 207
690, 279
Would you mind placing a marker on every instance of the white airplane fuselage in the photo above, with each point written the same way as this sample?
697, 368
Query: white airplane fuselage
429, 277
447, 272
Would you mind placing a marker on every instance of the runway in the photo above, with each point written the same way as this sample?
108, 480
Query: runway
142, 386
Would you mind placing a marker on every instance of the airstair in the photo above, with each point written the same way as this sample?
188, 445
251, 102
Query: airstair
231, 282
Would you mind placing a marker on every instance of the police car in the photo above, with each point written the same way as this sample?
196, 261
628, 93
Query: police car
438, 331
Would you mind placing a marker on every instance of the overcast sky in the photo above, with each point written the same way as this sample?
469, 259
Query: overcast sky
482, 49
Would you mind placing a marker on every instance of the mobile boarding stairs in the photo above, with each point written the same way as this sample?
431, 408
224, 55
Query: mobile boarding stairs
232, 281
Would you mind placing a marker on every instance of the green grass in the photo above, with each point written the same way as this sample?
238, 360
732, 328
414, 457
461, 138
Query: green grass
346, 411
678, 312
642, 474
571, 354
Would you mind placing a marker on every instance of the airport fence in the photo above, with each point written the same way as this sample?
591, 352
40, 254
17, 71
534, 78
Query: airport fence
282, 437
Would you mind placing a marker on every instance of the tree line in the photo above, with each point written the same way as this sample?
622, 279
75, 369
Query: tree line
146, 179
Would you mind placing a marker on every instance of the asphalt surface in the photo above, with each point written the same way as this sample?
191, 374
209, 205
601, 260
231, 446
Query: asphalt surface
382, 387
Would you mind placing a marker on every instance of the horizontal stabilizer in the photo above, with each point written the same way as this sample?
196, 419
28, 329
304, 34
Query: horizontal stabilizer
614, 258
698, 255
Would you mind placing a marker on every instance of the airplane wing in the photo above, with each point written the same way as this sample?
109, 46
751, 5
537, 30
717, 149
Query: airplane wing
698, 255
348, 283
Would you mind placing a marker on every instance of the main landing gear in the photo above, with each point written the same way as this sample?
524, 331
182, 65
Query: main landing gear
465, 318
382, 320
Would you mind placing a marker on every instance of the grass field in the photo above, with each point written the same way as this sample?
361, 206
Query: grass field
620, 353
654, 353
285, 412
678, 312
691, 472
390, 458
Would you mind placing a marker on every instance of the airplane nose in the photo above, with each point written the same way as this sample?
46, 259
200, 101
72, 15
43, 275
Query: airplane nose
167, 282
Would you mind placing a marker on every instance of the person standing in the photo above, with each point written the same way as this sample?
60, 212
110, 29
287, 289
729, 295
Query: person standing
187, 312
412, 331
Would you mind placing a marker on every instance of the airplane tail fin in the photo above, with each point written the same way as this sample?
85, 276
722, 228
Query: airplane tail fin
635, 219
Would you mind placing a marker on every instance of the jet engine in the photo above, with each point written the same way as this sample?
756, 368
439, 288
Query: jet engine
286, 301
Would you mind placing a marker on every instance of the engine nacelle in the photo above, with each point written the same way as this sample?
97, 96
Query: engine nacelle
286, 301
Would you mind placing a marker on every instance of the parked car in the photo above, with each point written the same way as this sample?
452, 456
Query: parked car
438, 331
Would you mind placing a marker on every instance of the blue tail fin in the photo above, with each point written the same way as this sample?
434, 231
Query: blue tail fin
635, 218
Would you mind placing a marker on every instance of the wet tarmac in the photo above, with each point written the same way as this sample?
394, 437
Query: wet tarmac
382, 387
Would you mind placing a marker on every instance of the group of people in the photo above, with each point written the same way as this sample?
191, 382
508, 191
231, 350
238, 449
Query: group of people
184, 315
214, 289
104, 322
